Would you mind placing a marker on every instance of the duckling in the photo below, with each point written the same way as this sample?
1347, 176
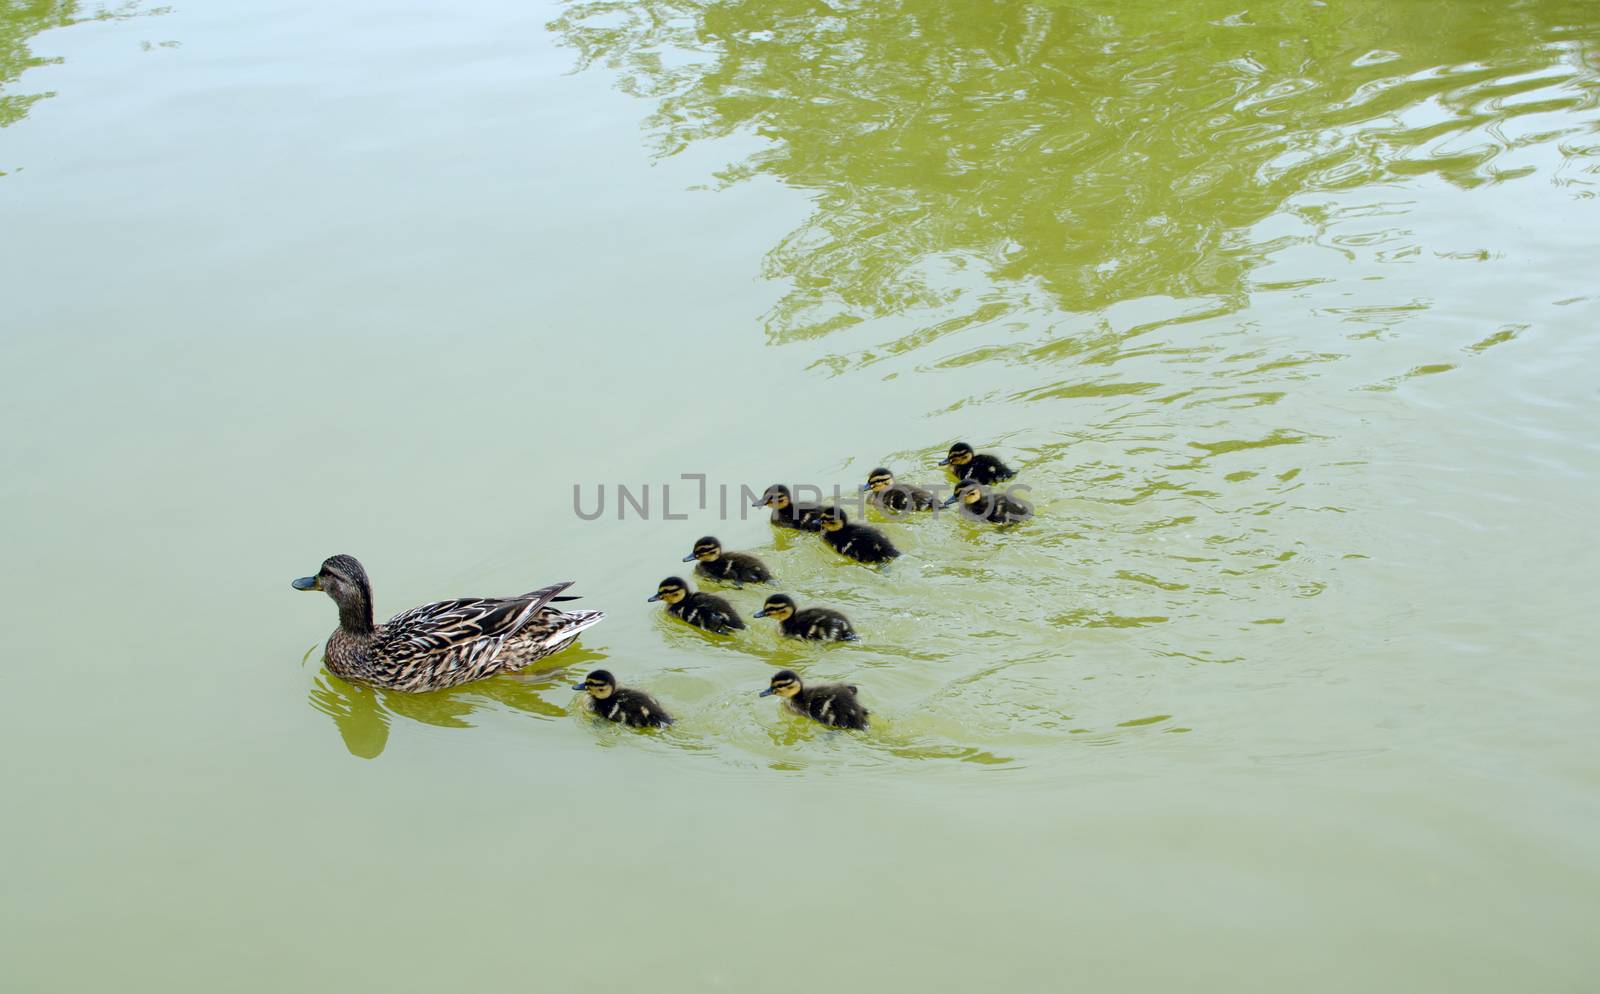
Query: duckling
739, 568
821, 624
862, 543
701, 610
804, 516
986, 469
633, 708
981, 503
897, 497
832, 704
443, 644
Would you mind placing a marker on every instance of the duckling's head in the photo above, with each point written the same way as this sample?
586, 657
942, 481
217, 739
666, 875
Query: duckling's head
600, 684
776, 497
705, 550
967, 492
832, 519
672, 590
959, 455
785, 683
343, 579
779, 606
878, 480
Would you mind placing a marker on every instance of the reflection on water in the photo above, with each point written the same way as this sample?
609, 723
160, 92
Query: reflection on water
20, 20
1085, 155
363, 714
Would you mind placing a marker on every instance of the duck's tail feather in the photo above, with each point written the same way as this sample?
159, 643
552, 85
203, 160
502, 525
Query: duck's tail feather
567, 633
536, 601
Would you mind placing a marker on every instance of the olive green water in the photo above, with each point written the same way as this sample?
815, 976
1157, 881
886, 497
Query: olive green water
1290, 316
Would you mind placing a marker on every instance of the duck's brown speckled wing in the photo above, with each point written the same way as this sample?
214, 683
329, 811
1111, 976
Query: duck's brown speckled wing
451, 642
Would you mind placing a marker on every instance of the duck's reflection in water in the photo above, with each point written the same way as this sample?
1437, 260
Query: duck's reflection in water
364, 714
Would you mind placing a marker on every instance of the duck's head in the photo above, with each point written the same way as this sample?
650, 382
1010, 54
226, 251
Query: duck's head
779, 606
343, 579
785, 683
878, 480
672, 590
705, 550
959, 455
600, 684
832, 519
968, 492
776, 497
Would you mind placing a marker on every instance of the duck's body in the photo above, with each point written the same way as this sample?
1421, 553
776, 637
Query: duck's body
965, 464
980, 503
897, 498
439, 645
700, 609
862, 543
903, 497
737, 568
634, 708
819, 624
803, 516
831, 704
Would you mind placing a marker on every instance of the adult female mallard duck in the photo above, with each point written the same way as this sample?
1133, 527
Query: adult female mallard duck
897, 498
439, 645
862, 543
981, 503
965, 464
832, 704
634, 708
804, 516
701, 610
821, 624
738, 568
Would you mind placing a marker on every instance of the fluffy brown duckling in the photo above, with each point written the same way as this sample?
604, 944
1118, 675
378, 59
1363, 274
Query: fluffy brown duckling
737, 568
966, 464
832, 704
786, 513
821, 624
897, 497
701, 610
981, 503
634, 708
862, 543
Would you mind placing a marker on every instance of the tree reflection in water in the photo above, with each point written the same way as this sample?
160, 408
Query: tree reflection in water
1076, 155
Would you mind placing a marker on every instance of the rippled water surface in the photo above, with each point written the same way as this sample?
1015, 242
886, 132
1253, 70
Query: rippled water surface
1290, 316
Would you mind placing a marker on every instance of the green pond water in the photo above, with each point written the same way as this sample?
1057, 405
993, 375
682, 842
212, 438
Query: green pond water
1289, 315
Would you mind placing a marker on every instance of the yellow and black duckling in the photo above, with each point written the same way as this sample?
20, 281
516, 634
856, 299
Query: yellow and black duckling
897, 497
786, 513
701, 610
634, 708
968, 465
832, 704
439, 645
737, 568
862, 543
821, 624
980, 503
